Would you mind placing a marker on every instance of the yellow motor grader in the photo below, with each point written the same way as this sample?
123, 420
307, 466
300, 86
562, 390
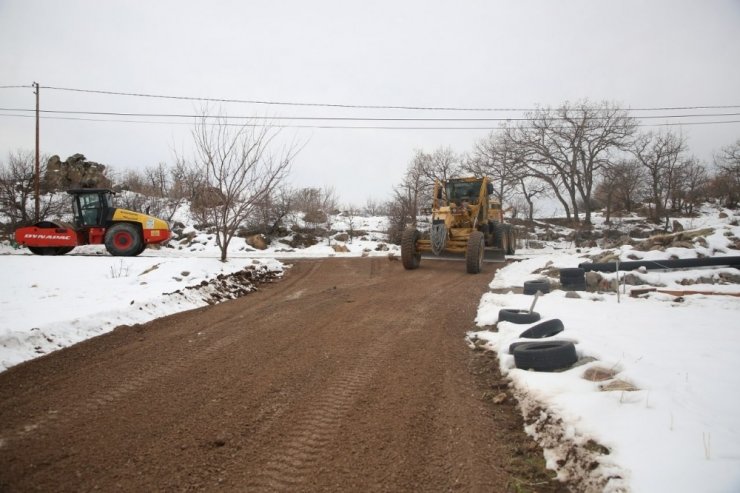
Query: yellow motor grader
466, 220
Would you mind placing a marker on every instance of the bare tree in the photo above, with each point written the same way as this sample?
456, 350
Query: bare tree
329, 204
496, 157
415, 189
659, 153
620, 185
530, 188
241, 168
728, 163
373, 207
17, 191
567, 147
442, 164
400, 212
409, 196
272, 210
317, 205
689, 186
164, 187
351, 213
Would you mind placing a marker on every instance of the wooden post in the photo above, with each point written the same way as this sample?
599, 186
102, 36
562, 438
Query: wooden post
36, 179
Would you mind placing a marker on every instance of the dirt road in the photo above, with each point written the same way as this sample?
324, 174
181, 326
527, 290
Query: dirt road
348, 375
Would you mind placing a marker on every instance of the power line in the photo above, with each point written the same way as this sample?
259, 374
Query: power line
348, 127
335, 118
16, 87
356, 106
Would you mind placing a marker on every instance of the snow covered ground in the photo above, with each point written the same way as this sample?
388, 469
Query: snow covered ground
47, 303
671, 425
671, 422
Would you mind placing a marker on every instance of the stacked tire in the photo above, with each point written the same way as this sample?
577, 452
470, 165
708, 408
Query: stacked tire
538, 285
573, 279
543, 353
545, 356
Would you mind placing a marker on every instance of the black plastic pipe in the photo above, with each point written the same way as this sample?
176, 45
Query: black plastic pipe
683, 263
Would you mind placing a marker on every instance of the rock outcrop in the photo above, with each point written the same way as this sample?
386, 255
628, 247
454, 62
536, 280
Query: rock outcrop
75, 172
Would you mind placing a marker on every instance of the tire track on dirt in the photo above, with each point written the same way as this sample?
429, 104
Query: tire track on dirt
344, 376
304, 446
95, 404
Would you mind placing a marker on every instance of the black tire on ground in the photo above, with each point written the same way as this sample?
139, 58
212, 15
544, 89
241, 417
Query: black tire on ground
545, 356
548, 328
123, 240
511, 243
573, 279
410, 256
474, 253
570, 273
517, 316
498, 235
64, 250
516, 344
541, 285
573, 285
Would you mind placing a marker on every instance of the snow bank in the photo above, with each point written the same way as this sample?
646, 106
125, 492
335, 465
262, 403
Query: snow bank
678, 431
47, 303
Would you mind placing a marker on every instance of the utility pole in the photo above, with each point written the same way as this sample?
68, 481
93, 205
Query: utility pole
37, 181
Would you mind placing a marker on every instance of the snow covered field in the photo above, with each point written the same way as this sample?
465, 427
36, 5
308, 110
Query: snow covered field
671, 425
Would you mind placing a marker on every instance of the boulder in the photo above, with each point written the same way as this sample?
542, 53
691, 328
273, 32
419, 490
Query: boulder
75, 172
258, 242
535, 245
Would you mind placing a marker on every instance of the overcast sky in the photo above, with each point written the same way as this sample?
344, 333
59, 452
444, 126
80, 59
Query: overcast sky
470, 54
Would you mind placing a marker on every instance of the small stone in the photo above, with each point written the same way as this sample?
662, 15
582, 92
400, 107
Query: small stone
500, 398
598, 374
618, 385
572, 295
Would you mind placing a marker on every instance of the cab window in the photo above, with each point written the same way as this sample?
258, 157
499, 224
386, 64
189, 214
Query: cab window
91, 208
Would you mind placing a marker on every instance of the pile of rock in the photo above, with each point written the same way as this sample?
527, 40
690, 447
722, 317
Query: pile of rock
681, 239
75, 172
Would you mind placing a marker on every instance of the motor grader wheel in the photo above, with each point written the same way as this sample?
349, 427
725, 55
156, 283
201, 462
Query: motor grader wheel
498, 234
504, 239
474, 252
410, 256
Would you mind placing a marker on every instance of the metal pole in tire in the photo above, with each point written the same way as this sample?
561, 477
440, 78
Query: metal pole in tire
534, 301
618, 298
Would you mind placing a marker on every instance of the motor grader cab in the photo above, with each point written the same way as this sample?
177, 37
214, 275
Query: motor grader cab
96, 221
466, 221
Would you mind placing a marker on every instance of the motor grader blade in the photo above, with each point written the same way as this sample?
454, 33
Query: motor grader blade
491, 255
